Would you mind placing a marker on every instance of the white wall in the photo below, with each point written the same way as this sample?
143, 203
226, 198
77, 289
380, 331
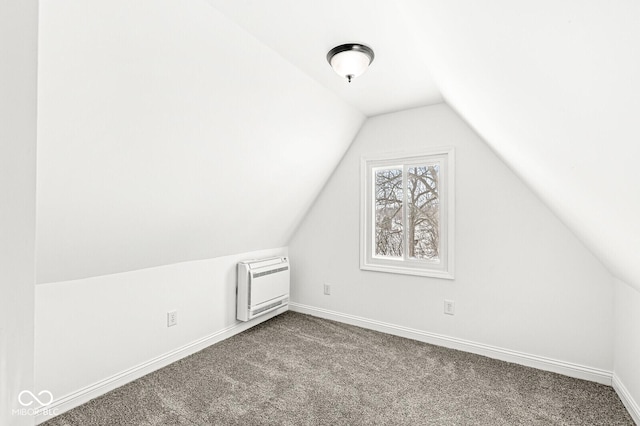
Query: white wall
627, 345
18, 65
89, 331
168, 134
523, 280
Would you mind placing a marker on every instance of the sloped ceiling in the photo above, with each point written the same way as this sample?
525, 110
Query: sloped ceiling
166, 133
146, 107
552, 86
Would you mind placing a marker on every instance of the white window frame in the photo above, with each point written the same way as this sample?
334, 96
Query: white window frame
446, 191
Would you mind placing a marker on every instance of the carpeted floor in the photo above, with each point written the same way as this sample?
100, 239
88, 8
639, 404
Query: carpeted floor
300, 370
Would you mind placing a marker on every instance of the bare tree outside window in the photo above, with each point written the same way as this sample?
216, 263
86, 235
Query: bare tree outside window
422, 221
389, 213
424, 212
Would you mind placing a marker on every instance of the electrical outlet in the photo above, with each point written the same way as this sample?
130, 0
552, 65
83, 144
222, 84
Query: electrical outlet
172, 318
449, 307
327, 289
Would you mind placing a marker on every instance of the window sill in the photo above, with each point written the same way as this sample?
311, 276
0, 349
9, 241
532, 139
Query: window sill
404, 270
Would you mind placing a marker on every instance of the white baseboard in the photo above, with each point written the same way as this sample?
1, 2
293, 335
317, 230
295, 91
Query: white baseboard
632, 406
535, 361
81, 396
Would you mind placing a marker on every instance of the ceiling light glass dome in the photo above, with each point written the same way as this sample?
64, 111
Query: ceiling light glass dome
350, 60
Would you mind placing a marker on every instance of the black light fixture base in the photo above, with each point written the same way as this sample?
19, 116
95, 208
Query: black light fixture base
351, 46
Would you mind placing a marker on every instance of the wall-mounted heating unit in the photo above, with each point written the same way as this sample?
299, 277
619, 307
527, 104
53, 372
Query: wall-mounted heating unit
263, 287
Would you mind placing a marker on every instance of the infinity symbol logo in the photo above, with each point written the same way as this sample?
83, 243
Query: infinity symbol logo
35, 398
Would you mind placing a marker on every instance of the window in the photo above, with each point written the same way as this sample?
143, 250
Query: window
408, 214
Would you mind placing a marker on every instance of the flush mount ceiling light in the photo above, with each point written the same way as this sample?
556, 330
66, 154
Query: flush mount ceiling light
350, 60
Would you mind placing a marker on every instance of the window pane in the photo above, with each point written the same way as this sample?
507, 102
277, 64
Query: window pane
423, 227
389, 213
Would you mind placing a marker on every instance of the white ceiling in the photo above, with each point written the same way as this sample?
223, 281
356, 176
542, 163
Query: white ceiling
552, 86
304, 31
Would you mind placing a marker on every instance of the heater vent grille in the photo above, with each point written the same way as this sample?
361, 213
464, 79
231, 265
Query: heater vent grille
271, 306
274, 271
263, 287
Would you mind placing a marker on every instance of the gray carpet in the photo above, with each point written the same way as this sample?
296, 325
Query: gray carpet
300, 370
